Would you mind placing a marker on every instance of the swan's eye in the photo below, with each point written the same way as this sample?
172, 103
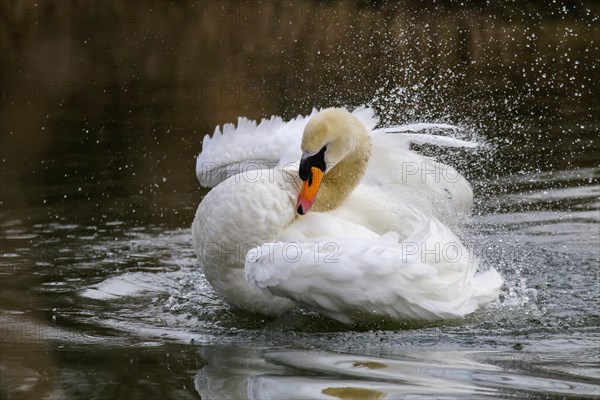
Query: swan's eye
316, 160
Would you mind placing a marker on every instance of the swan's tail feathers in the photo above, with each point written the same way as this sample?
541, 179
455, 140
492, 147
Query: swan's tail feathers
428, 276
432, 134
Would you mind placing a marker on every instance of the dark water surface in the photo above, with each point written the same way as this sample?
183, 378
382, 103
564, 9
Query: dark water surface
103, 108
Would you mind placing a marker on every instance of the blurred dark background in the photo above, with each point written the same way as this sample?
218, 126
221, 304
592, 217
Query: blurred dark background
104, 103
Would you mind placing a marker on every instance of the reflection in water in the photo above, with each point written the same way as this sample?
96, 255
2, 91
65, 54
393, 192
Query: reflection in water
257, 373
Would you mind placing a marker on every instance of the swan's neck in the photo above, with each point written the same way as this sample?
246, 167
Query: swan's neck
345, 176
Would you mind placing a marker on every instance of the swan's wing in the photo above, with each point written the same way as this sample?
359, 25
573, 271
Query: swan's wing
434, 134
428, 276
252, 146
247, 146
394, 165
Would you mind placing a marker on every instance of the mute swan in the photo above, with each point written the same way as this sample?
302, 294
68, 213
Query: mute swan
376, 242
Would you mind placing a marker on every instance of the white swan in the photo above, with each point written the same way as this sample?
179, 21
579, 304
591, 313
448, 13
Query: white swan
373, 243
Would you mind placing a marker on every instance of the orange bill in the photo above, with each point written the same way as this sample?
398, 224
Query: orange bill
308, 194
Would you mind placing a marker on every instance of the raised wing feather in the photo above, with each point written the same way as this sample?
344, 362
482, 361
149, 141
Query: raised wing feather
247, 146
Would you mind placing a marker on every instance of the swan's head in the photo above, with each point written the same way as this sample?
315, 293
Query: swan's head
329, 137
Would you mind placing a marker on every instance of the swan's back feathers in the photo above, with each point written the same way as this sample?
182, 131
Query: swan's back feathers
429, 275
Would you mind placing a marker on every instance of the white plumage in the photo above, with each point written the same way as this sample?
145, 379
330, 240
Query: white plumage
386, 250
